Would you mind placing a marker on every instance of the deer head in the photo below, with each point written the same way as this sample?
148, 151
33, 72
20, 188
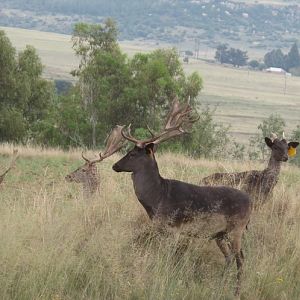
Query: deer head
87, 173
178, 119
12, 165
281, 149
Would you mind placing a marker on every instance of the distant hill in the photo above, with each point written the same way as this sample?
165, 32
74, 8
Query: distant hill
249, 24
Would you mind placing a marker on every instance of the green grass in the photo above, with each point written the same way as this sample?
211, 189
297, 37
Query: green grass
57, 245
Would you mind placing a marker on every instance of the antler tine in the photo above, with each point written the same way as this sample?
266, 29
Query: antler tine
150, 130
85, 158
114, 143
274, 136
178, 116
283, 135
139, 143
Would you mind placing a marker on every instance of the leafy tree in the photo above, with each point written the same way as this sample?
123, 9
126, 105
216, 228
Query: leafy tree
254, 64
231, 56
7, 70
221, 54
293, 57
25, 96
118, 90
275, 58
257, 147
208, 139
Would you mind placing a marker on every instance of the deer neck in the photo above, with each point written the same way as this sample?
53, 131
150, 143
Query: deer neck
149, 185
273, 167
91, 184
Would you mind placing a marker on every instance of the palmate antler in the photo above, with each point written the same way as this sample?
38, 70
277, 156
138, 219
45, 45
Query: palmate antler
12, 164
114, 142
179, 117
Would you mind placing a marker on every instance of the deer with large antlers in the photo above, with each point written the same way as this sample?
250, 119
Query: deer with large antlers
12, 164
177, 202
87, 174
259, 184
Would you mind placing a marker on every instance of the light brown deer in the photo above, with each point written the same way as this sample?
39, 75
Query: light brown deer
259, 184
88, 174
175, 202
12, 165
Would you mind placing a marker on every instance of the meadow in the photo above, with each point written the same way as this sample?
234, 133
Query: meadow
57, 245
242, 98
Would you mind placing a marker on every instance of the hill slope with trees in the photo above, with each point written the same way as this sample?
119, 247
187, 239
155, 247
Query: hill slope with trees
253, 24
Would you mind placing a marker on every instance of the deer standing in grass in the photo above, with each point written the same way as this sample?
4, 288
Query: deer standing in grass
12, 164
259, 184
177, 202
88, 173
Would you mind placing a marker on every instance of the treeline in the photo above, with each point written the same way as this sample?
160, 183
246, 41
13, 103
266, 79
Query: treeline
275, 58
110, 89
172, 21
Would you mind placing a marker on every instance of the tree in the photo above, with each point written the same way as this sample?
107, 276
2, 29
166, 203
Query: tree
231, 56
257, 146
293, 57
221, 54
118, 90
275, 58
254, 64
7, 70
25, 96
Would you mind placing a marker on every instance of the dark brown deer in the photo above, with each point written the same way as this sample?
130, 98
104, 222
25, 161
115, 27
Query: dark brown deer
88, 174
177, 202
12, 164
259, 184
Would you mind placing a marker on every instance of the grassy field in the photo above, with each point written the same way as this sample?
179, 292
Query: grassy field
57, 245
243, 98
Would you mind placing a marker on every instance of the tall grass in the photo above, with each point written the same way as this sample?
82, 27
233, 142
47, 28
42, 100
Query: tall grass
57, 245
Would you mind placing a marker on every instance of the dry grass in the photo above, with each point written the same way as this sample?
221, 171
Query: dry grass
57, 245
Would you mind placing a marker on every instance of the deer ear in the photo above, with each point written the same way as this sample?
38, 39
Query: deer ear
268, 142
293, 144
151, 148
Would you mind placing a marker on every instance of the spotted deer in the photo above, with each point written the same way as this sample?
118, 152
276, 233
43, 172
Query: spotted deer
12, 165
175, 202
87, 174
259, 184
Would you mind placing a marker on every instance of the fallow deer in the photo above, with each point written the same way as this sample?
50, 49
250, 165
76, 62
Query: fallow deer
88, 174
176, 202
259, 184
12, 164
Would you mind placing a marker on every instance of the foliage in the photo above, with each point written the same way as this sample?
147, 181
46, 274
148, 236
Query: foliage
261, 26
117, 90
25, 97
254, 64
226, 55
208, 139
257, 146
276, 58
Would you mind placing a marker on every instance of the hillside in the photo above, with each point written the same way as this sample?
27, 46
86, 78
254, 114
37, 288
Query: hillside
242, 97
257, 25
57, 245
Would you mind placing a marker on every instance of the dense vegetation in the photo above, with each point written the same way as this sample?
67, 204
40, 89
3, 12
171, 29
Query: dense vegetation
55, 244
256, 25
110, 89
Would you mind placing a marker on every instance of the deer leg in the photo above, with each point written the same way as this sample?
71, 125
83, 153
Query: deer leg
221, 238
239, 257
